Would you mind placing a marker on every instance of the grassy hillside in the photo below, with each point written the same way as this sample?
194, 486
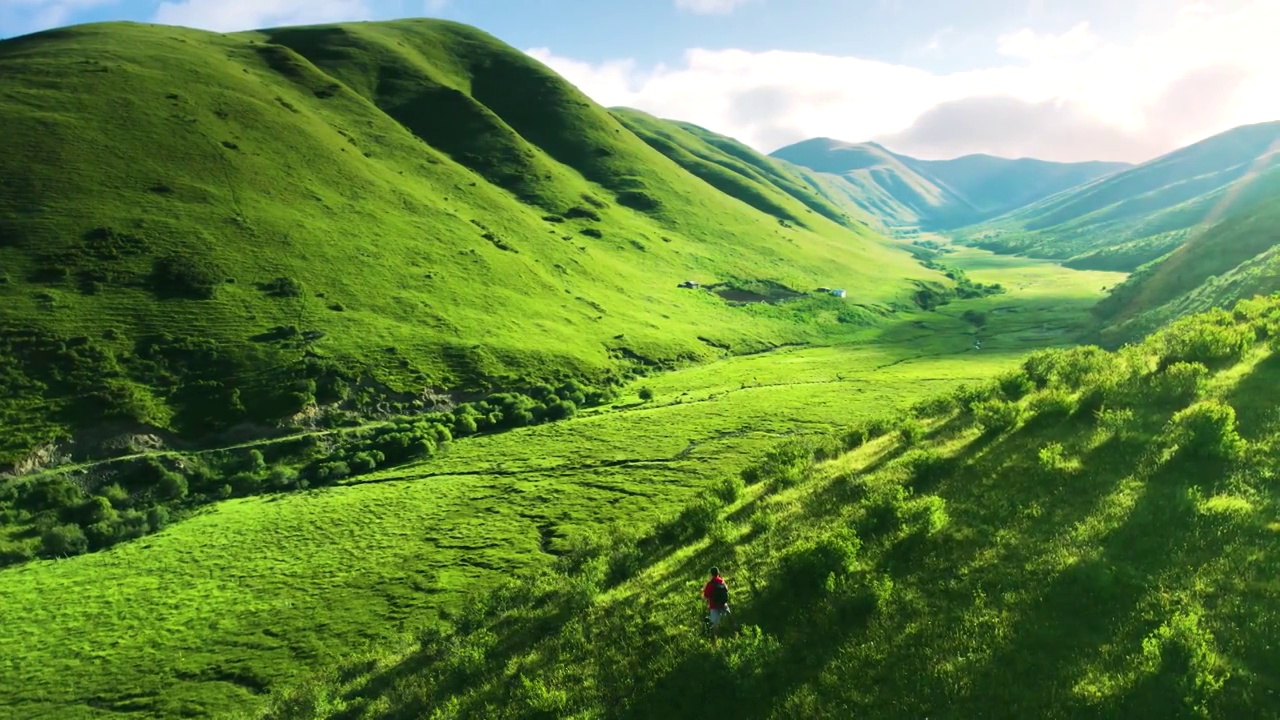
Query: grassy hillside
250, 593
1088, 536
1124, 220
202, 231
903, 192
1238, 257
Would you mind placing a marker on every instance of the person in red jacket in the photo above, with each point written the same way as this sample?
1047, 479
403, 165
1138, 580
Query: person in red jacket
716, 593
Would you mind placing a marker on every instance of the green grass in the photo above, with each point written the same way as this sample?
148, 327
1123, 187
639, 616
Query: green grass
1073, 564
443, 212
254, 593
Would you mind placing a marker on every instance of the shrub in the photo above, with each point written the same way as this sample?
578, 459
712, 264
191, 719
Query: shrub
181, 276
1053, 460
646, 394
1212, 339
806, 569
363, 463
1053, 404
1180, 382
63, 540
935, 406
158, 518
928, 466
996, 416
784, 464
926, 515
283, 287
1207, 430
730, 489
332, 471
1015, 385
692, 522
172, 485
910, 431
967, 396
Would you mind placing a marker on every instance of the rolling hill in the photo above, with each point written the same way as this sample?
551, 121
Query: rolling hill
1233, 259
907, 193
201, 232
1124, 220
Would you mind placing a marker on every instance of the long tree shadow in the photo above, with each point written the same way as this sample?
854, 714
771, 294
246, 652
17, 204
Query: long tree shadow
1081, 608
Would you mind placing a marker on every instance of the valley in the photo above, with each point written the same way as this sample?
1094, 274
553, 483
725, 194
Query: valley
250, 593
374, 371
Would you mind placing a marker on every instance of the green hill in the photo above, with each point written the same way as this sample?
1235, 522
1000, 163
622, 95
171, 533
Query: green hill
905, 193
1090, 535
1124, 220
203, 233
1235, 258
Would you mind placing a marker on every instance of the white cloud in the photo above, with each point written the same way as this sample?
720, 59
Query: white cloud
1030, 45
710, 7
31, 15
234, 15
1072, 96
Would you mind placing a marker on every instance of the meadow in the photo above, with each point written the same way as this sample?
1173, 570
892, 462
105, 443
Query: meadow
249, 594
1086, 535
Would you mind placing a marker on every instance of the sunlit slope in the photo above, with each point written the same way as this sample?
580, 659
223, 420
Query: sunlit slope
1088, 536
773, 186
906, 192
1129, 218
413, 201
1236, 258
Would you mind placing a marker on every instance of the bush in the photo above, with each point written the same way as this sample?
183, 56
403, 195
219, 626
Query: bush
1207, 430
1053, 404
646, 394
1015, 385
925, 516
181, 276
1212, 339
997, 416
693, 522
1053, 459
172, 485
332, 471
928, 466
807, 569
784, 464
365, 462
1180, 382
64, 540
283, 287
730, 489
910, 431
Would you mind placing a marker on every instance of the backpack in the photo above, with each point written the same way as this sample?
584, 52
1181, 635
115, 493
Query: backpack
719, 592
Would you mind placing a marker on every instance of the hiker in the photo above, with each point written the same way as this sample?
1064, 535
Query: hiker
716, 592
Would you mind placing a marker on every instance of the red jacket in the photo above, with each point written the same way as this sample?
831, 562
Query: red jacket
706, 593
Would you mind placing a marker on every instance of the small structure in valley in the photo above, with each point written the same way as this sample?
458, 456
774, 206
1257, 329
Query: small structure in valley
689, 284
838, 293
823, 290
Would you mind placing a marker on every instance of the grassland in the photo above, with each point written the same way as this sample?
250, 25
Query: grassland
176, 204
253, 593
1087, 536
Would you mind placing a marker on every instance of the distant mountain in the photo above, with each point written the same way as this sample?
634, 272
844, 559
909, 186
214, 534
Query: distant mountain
904, 192
1129, 218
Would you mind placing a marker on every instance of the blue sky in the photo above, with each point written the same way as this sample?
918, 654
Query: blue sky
1061, 79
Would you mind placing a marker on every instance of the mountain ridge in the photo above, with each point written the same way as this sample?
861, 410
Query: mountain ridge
906, 192
175, 263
